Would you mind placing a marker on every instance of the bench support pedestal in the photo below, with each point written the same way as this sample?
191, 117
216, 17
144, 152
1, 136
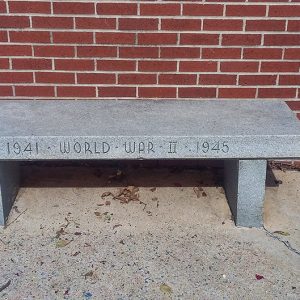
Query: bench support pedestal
9, 185
245, 190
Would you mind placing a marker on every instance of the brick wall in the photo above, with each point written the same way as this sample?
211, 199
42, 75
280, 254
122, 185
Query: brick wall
151, 49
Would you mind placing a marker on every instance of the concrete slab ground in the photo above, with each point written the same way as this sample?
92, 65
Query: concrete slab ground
85, 232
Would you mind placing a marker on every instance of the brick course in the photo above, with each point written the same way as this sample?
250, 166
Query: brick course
150, 49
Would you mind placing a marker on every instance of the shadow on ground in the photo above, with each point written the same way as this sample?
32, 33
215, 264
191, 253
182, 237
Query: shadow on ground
70, 237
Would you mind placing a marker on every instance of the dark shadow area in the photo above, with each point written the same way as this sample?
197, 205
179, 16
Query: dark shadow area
177, 173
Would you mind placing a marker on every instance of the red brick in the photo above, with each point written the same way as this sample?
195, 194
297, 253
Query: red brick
157, 66
29, 36
294, 25
282, 39
4, 63
180, 52
265, 25
246, 10
157, 92
76, 91
116, 65
73, 37
31, 64
223, 25
202, 10
117, 9
277, 93
52, 22
54, 77
221, 53
138, 52
292, 53
294, 105
159, 9
14, 22
115, 38
198, 66
178, 79
15, 50
74, 64
95, 23
196, 92
239, 66
96, 78
241, 39
269, 1
6, 91
282, 66
217, 79
199, 39
289, 80
116, 91
284, 11
16, 77
54, 51
262, 53
298, 116
29, 7
2, 7
96, 51
35, 91
138, 24
3, 36
257, 80
181, 24
137, 78
237, 93
73, 8
157, 38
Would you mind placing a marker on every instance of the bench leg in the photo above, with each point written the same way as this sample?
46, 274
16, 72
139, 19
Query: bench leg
245, 190
9, 185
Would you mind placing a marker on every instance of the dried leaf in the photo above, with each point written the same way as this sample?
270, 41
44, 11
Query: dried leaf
88, 274
16, 209
76, 253
60, 232
62, 243
153, 189
118, 176
165, 289
106, 194
282, 232
107, 202
97, 213
197, 192
116, 226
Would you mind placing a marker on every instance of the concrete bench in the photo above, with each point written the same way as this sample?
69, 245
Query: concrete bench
242, 133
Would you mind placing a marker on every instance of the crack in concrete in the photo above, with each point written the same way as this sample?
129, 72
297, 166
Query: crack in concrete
286, 243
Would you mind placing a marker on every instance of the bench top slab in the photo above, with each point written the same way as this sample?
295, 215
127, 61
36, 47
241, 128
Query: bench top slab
255, 122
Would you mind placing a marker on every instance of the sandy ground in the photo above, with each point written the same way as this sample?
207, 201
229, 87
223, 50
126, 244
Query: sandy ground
69, 238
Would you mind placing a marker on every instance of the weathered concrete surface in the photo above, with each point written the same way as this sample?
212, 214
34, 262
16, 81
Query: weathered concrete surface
245, 190
111, 129
172, 246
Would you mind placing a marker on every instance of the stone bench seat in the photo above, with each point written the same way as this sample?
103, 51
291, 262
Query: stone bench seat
242, 133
